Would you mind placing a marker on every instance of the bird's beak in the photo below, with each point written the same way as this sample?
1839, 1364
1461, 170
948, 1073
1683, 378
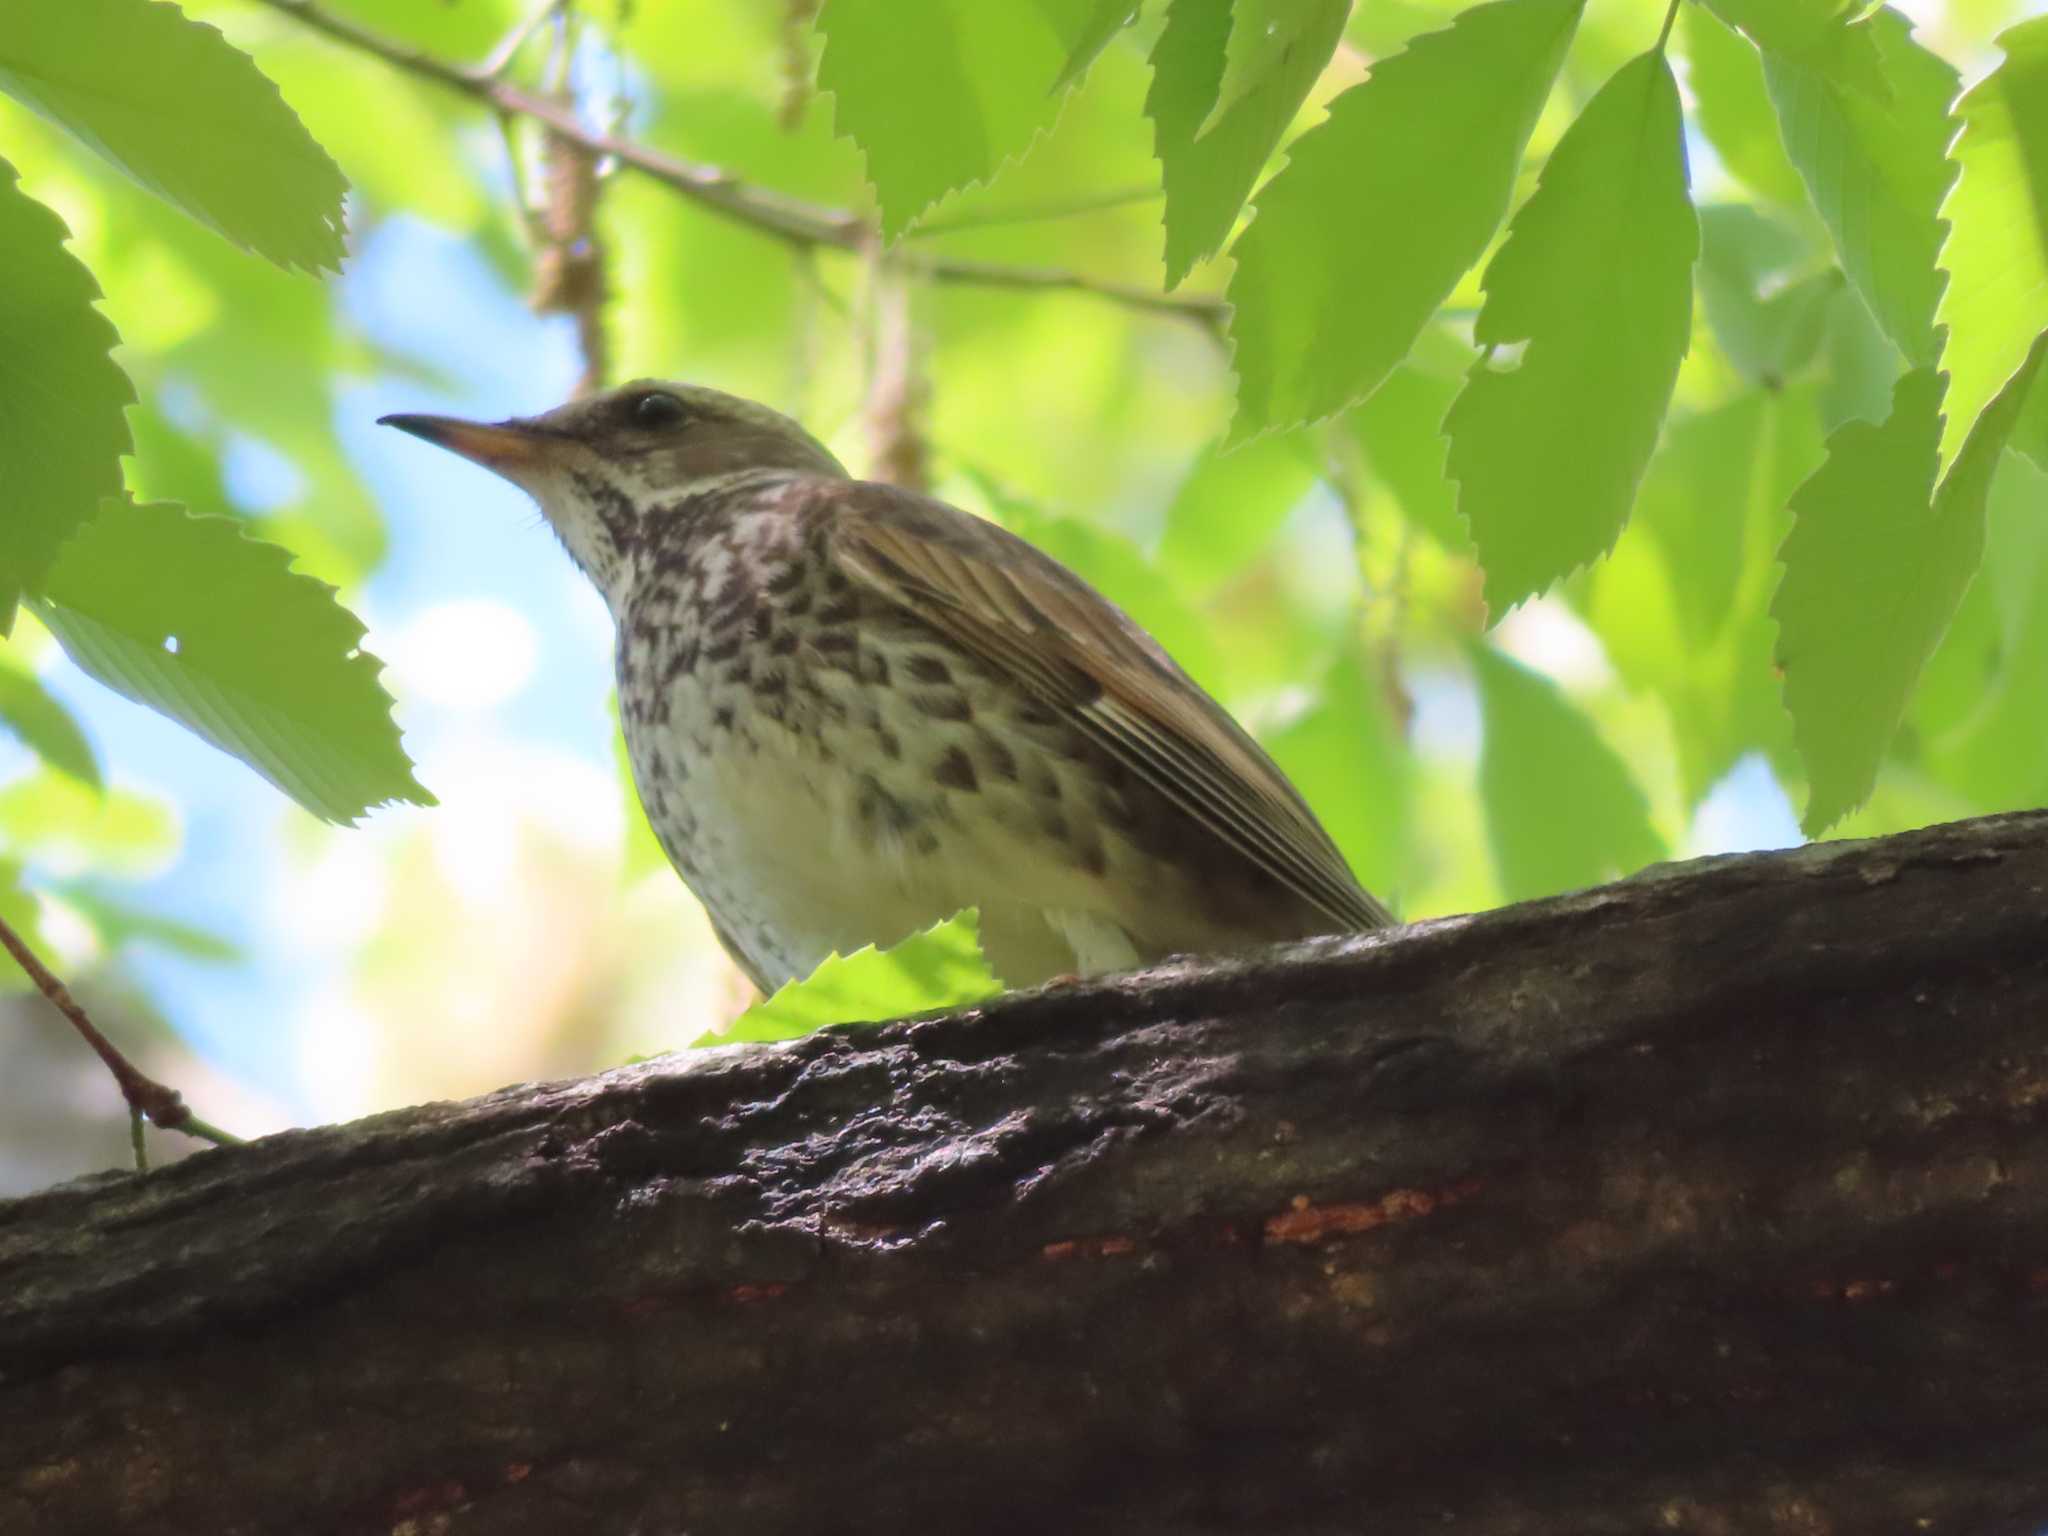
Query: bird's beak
506, 447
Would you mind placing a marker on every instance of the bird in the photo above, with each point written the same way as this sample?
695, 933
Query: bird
852, 710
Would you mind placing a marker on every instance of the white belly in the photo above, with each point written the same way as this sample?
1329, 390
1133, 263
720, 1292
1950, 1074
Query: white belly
802, 840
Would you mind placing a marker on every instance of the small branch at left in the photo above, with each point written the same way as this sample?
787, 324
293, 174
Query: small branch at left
148, 1099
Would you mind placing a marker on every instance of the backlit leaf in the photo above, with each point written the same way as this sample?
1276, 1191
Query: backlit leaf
1401, 431
188, 116
1596, 278
938, 94
1767, 308
1108, 18
1229, 507
1272, 37
1821, 35
44, 725
1997, 250
1726, 78
1875, 565
1382, 207
61, 429
1348, 761
194, 618
1209, 158
1561, 809
1875, 168
941, 967
1682, 606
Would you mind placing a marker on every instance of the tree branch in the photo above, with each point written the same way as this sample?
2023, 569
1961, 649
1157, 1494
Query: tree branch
164, 1107
788, 219
1715, 1200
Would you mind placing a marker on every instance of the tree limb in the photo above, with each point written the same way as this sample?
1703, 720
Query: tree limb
1712, 1201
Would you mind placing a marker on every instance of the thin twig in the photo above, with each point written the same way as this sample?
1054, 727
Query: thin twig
501, 57
789, 219
164, 1107
897, 390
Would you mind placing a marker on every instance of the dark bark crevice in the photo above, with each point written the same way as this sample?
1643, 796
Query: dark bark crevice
1709, 1201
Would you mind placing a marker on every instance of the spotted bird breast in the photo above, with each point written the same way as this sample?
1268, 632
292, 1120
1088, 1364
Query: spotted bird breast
826, 772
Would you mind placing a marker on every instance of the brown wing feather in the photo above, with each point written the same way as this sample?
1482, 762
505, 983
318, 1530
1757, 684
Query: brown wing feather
1032, 619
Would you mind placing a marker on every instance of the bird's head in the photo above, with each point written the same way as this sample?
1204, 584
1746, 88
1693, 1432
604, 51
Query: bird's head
607, 470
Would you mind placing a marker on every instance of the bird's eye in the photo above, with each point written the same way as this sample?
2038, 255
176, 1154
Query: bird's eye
656, 408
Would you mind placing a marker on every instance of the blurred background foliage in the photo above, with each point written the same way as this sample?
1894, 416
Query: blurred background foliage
1319, 579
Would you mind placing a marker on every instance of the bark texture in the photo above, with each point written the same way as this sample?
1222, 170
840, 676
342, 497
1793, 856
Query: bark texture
1714, 1201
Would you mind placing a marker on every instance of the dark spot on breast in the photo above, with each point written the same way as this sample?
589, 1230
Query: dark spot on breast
844, 611
772, 684
835, 582
997, 757
1032, 711
1053, 824
761, 625
722, 717
929, 669
880, 811
784, 643
1092, 857
876, 667
886, 740
723, 650
681, 662
740, 673
832, 642
955, 770
944, 706
798, 606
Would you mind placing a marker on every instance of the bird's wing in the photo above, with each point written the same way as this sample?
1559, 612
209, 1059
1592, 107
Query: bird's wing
1028, 617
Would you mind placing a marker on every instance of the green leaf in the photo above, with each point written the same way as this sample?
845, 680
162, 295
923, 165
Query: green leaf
1997, 213
1269, 38
1400, 430
1596, 276
941, 967
172, 104
1821, 35
1682, 605
1382, 207
1108, 18
57, 823
1352, 767
1875, 565
938, 94
1977, 711
45, 726
1726, 78
1861, 363
194, 618
1766, 307
1209, 160
1229, 508
1876, 169
61, 429
1561, 809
